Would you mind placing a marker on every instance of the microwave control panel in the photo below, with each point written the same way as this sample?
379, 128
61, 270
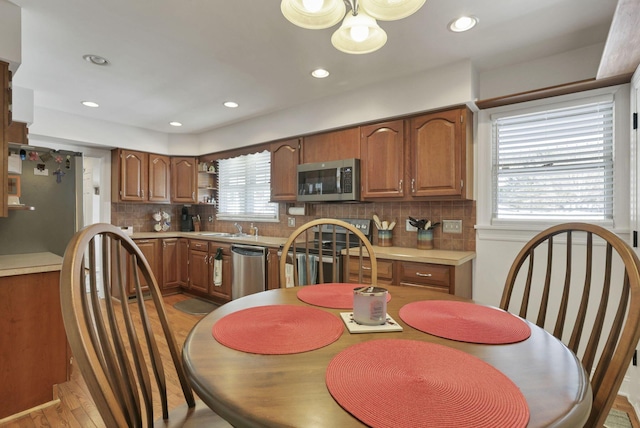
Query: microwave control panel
347, 183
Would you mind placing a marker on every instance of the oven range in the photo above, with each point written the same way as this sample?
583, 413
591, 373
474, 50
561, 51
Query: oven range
324, 253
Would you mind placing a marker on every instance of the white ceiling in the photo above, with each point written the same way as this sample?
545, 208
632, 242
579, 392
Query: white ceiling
180, 60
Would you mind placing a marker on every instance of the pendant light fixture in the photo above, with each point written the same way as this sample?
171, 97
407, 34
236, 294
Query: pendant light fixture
359, 32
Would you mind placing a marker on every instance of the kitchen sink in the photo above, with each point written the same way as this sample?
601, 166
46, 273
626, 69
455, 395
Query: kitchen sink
225, 234
220, 234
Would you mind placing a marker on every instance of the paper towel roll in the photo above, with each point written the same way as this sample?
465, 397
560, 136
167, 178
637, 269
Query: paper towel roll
296, 211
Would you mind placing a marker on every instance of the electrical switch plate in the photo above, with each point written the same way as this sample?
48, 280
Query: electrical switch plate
452, 226
291, 221
410, 228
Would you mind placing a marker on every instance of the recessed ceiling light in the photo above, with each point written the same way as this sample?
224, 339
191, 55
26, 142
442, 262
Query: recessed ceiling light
320, 73
95, 59
175, 123
90, 104
463, 23
230, 104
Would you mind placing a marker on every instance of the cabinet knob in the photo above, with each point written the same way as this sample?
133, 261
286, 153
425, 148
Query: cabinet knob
366, 268
400, 185
413, 185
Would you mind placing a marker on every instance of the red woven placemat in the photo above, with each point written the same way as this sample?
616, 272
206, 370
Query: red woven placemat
278, 329
465, 322
331, 295
399, 383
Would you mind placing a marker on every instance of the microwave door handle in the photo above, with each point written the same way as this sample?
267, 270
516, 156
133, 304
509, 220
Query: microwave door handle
338, 180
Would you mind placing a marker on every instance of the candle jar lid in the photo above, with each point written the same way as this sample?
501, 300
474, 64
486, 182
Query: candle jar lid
370, 291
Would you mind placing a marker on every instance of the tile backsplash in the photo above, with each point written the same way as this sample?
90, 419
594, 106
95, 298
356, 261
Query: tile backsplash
140, 216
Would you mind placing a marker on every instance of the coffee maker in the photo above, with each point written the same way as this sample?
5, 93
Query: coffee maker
186, 222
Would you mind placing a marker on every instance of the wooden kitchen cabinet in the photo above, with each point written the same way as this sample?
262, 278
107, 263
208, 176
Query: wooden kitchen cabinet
170, 267
129, 175
329, 146
382, 163
182, 260
139, 176
201, 256
5, 121
284, 162
385, 271
443, 278
199, 275
33, 345
150, 248
159, 177
273, 269
441, 154
221, 293
184, 180
148, 177
18, 133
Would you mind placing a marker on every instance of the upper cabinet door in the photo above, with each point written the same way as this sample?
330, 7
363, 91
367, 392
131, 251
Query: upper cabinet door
284, 161
330, 146
440, 154
184, 179
382, 163
133, 175
159, 178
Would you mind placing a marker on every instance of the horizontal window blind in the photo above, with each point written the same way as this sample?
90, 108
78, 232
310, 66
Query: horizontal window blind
244, 187
555, 164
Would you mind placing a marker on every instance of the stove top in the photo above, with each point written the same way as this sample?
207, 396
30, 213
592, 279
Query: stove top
325, 242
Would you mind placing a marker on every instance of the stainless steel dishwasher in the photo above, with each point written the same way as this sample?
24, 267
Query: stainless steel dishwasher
249, 270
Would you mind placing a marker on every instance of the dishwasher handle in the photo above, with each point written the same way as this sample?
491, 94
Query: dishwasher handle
249, 250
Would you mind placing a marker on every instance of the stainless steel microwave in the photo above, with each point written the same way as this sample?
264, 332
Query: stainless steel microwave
332, 181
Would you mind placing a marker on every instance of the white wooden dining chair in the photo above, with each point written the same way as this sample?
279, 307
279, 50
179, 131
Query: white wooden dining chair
582, 283
125, 354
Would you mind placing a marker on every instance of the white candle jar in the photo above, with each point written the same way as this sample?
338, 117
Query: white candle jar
370, 305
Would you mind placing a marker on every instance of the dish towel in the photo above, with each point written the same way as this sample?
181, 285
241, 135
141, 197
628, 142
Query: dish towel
302, 269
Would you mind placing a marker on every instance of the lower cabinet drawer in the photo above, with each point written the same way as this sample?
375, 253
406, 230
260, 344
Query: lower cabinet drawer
431, 275
385, 270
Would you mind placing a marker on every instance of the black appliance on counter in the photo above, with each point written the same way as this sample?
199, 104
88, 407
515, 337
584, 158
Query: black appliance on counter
325, 243
186, 222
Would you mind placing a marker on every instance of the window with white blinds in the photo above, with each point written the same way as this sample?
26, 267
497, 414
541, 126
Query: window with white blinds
555, 164
244, 188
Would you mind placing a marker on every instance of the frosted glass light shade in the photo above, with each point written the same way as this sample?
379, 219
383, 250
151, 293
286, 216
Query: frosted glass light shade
391, 10
327, 15
352, 25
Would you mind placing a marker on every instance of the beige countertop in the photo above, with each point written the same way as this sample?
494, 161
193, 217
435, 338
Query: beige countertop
21, 264
264, 241
441, 257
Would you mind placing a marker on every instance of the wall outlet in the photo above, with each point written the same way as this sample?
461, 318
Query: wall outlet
410, 228
291, 221
452, 226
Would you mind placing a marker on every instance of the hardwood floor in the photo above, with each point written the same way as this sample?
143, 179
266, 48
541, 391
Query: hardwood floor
76, 408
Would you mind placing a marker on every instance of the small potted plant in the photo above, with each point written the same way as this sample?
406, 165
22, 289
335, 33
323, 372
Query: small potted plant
425, 232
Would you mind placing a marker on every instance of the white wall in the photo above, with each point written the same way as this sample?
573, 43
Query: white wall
10, 34
572, 66
445, 86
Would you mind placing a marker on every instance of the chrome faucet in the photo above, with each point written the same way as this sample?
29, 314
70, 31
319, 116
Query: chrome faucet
238, 227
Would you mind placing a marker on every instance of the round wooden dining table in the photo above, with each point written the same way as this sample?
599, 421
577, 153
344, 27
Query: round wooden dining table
256, 390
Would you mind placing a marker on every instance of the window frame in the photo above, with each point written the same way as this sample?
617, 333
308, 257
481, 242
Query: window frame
247, 216
485, 151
